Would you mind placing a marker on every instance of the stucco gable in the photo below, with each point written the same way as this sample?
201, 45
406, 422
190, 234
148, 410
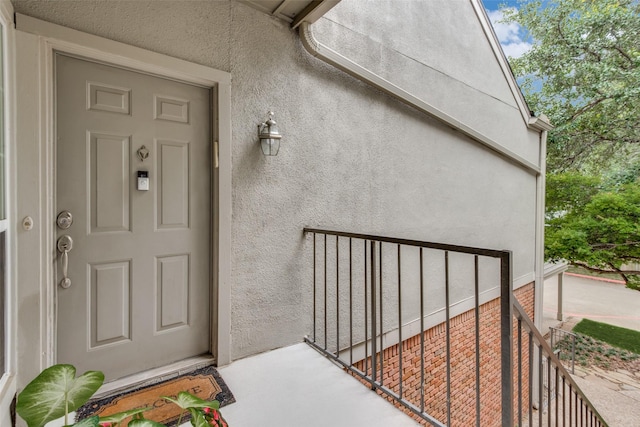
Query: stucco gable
442, 52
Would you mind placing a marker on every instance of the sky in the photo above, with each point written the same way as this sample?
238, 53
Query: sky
512, 36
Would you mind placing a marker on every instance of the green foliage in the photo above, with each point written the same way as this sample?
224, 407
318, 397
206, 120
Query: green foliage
583, 72
203, 413
88, 422
616, 336
118, 418
597, 230
55, 393
145, 423
569, 191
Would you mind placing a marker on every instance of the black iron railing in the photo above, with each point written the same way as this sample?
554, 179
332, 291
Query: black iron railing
563, 344
375, 301
559, 400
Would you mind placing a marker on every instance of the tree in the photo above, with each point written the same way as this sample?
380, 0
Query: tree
599, 229
583, 72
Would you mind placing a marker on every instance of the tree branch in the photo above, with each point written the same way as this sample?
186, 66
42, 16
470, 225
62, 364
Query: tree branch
612, 270
613, 245
588, 107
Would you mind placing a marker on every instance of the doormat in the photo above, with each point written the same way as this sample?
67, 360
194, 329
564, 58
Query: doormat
205, 383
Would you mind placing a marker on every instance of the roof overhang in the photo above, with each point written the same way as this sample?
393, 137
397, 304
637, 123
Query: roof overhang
295, 12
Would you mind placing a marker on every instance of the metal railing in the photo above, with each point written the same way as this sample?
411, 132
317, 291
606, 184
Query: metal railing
559, 400
363, 288
563, 344
372, 299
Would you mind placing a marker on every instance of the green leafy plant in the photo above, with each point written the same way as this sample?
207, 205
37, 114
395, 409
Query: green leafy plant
57, 392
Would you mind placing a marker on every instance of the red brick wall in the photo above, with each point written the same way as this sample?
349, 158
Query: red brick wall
463, 367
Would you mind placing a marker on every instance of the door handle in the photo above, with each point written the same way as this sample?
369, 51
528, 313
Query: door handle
65, 244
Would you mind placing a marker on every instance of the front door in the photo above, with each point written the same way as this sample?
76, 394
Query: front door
133, 194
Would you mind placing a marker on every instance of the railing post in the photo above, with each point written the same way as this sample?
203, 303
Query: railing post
506, 338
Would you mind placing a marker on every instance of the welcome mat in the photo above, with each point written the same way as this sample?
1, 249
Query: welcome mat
205, 383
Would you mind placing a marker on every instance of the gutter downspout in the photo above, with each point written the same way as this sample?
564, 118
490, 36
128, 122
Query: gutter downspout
343, 63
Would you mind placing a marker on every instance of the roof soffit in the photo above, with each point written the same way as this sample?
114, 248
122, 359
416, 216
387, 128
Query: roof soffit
293, 11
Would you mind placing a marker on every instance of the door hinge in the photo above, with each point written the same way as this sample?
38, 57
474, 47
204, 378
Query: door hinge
216, 162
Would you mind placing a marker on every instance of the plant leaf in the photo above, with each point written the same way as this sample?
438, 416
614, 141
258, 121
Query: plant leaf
187, 400
56, 392
120, 416
144, 423
88, 422
197, 418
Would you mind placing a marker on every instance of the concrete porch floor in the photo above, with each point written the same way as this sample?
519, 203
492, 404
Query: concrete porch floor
296, 386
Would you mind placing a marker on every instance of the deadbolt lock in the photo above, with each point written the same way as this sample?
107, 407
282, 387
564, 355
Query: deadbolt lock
64, 220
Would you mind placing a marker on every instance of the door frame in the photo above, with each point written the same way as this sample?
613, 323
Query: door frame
54, 39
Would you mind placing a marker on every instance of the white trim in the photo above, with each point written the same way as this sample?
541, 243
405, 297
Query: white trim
54, 38
8, 381
538, 314
537, 123
492, 38
553, 269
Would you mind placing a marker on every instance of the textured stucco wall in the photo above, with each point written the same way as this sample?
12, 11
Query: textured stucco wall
351, 159
437, 51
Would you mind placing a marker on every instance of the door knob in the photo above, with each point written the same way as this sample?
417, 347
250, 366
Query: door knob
65, 244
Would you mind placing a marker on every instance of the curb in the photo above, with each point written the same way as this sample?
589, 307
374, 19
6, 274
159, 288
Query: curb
601, 279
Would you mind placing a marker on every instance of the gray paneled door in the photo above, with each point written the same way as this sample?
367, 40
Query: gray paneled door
139, 267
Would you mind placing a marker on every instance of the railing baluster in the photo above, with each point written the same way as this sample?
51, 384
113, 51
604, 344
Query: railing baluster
325, 292
448, 333
570, 405
381, 322
477, 321
337, 296
366, 309
548, 390
350, 303
519, 372
530, 377
400, 341
564, 401
540, 387
556, 394
422, 349
374, 320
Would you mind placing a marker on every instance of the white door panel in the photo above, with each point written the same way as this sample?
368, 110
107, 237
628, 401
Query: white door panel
139, 267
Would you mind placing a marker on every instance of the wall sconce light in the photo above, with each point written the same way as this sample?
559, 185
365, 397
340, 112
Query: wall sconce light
269, 136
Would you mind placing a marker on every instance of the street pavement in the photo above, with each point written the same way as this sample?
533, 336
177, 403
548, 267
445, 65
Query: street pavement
597, 300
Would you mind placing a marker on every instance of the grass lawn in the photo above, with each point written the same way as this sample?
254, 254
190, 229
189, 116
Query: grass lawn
616, 336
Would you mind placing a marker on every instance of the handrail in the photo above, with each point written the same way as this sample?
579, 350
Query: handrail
418, 243
353, 298
365, 285
520, 313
